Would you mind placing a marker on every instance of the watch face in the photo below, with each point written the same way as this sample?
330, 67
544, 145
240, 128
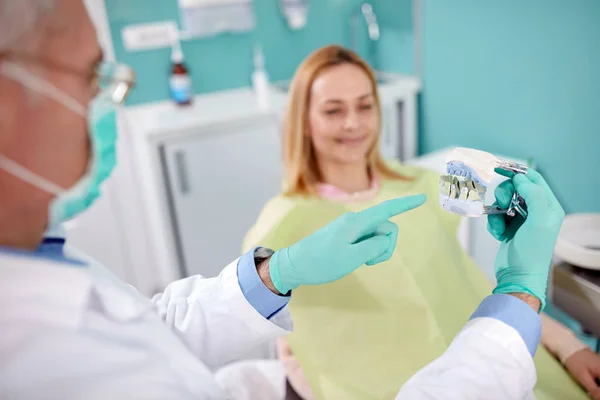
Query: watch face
263, 252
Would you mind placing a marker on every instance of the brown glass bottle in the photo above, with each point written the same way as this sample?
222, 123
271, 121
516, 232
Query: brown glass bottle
180, 84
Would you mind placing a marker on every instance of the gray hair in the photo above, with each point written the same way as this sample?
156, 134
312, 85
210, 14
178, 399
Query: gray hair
18, 17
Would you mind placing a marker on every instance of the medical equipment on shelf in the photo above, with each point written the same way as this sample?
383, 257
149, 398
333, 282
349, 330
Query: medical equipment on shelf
469, 172
260, 79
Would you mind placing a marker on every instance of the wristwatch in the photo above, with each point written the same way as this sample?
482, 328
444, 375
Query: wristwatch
261, 254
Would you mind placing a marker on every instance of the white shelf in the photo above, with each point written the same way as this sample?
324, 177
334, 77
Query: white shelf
165, 117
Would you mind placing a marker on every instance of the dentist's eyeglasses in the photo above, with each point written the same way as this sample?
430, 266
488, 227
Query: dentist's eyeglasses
116, 79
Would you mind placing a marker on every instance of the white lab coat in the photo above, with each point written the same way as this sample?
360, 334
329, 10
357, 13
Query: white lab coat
80, 333
487, 360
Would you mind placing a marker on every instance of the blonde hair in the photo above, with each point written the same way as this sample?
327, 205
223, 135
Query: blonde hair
302, 173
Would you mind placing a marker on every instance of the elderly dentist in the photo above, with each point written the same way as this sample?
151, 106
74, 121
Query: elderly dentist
72, 330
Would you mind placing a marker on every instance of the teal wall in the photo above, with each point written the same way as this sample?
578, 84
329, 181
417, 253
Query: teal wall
225, 61
396, 46
520, 78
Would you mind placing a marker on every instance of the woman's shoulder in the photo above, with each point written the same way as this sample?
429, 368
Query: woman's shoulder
282, 204
279, 203
272, 214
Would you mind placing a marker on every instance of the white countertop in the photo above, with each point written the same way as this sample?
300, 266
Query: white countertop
160, 119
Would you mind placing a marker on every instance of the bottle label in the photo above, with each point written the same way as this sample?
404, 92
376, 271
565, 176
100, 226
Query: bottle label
181, 88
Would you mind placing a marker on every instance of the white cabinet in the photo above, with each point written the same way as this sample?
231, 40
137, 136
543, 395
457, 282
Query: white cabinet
217, 183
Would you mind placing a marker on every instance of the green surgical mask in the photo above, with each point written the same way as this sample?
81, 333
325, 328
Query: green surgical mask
102, 130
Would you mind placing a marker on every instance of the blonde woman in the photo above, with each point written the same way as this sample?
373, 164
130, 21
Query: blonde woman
350, 335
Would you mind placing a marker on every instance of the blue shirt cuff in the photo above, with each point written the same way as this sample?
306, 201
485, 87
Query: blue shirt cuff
258, 295
515, 313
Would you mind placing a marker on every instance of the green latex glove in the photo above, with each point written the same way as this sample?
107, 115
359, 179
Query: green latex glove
525, 254
341, 246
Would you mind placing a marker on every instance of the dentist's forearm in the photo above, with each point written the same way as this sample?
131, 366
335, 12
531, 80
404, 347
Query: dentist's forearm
516, 313
504, 328
265, 275
530, 300
255, 282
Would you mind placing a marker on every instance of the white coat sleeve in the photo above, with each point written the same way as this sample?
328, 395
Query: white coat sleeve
216, 319
490, 359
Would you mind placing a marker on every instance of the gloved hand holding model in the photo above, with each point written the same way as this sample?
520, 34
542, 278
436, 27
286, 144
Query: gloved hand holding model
523, 260
341, 246
492, 357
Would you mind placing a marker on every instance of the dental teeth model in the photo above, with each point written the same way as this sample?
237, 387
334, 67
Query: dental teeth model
461, 195
462, 191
